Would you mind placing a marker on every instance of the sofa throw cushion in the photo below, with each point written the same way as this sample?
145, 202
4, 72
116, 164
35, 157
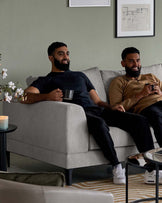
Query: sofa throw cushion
46, 179
95, 77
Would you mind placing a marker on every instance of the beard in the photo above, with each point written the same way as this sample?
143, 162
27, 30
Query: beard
132, 73
61, 66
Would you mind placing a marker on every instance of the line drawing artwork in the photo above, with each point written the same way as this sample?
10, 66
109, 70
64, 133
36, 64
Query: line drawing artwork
135, 17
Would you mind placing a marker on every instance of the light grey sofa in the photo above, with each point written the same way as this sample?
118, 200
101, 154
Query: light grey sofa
15, 192
56, 132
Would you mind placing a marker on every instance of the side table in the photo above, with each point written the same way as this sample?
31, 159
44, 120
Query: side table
155, 156
138, 161
3, 146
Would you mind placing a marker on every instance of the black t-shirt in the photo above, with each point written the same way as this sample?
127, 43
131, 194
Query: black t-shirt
76, 81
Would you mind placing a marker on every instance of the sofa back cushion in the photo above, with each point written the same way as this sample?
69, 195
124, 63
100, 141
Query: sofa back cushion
95, 77
154, 69
101, 78
108, 75
30, 79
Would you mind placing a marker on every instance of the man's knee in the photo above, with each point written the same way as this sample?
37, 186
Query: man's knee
97, 124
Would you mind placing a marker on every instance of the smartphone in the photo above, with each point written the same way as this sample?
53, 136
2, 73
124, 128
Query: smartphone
152, 87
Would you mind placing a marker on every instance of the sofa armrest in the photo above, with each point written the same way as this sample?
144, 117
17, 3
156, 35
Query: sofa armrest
68, 195
15, 192
58, 126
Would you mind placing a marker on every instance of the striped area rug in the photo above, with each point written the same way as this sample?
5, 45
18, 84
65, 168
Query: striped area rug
137, 188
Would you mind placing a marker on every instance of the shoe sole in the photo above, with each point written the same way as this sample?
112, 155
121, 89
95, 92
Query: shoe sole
151, 183
117, 183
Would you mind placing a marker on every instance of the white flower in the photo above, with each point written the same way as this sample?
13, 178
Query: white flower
4, 73
20, 91
7, 97
11, 85
4, 69
11, 91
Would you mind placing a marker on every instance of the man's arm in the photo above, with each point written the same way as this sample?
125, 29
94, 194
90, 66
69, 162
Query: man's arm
32, 95
96, 99
116, 93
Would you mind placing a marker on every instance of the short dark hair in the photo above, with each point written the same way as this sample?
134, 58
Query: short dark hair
129, 50
54, 46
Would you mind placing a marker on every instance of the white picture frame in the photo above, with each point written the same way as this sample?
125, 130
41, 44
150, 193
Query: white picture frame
135, 18
89, 3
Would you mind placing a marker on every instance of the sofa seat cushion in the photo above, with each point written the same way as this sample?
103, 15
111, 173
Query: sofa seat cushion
120, 139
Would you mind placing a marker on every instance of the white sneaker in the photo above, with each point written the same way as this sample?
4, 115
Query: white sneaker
119, 175
150, 178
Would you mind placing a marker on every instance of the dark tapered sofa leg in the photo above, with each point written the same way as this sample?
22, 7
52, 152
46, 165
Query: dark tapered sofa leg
68, 176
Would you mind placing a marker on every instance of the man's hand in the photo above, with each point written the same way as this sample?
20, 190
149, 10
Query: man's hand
156, 89
32, 97
55, 95
147, 90
118, 107
29, 98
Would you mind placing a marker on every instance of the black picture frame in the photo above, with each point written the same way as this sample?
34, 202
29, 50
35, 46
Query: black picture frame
135, 18
89, 3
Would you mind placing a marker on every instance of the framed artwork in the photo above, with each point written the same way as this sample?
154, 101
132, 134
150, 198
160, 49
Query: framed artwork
135, 18
89, 3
